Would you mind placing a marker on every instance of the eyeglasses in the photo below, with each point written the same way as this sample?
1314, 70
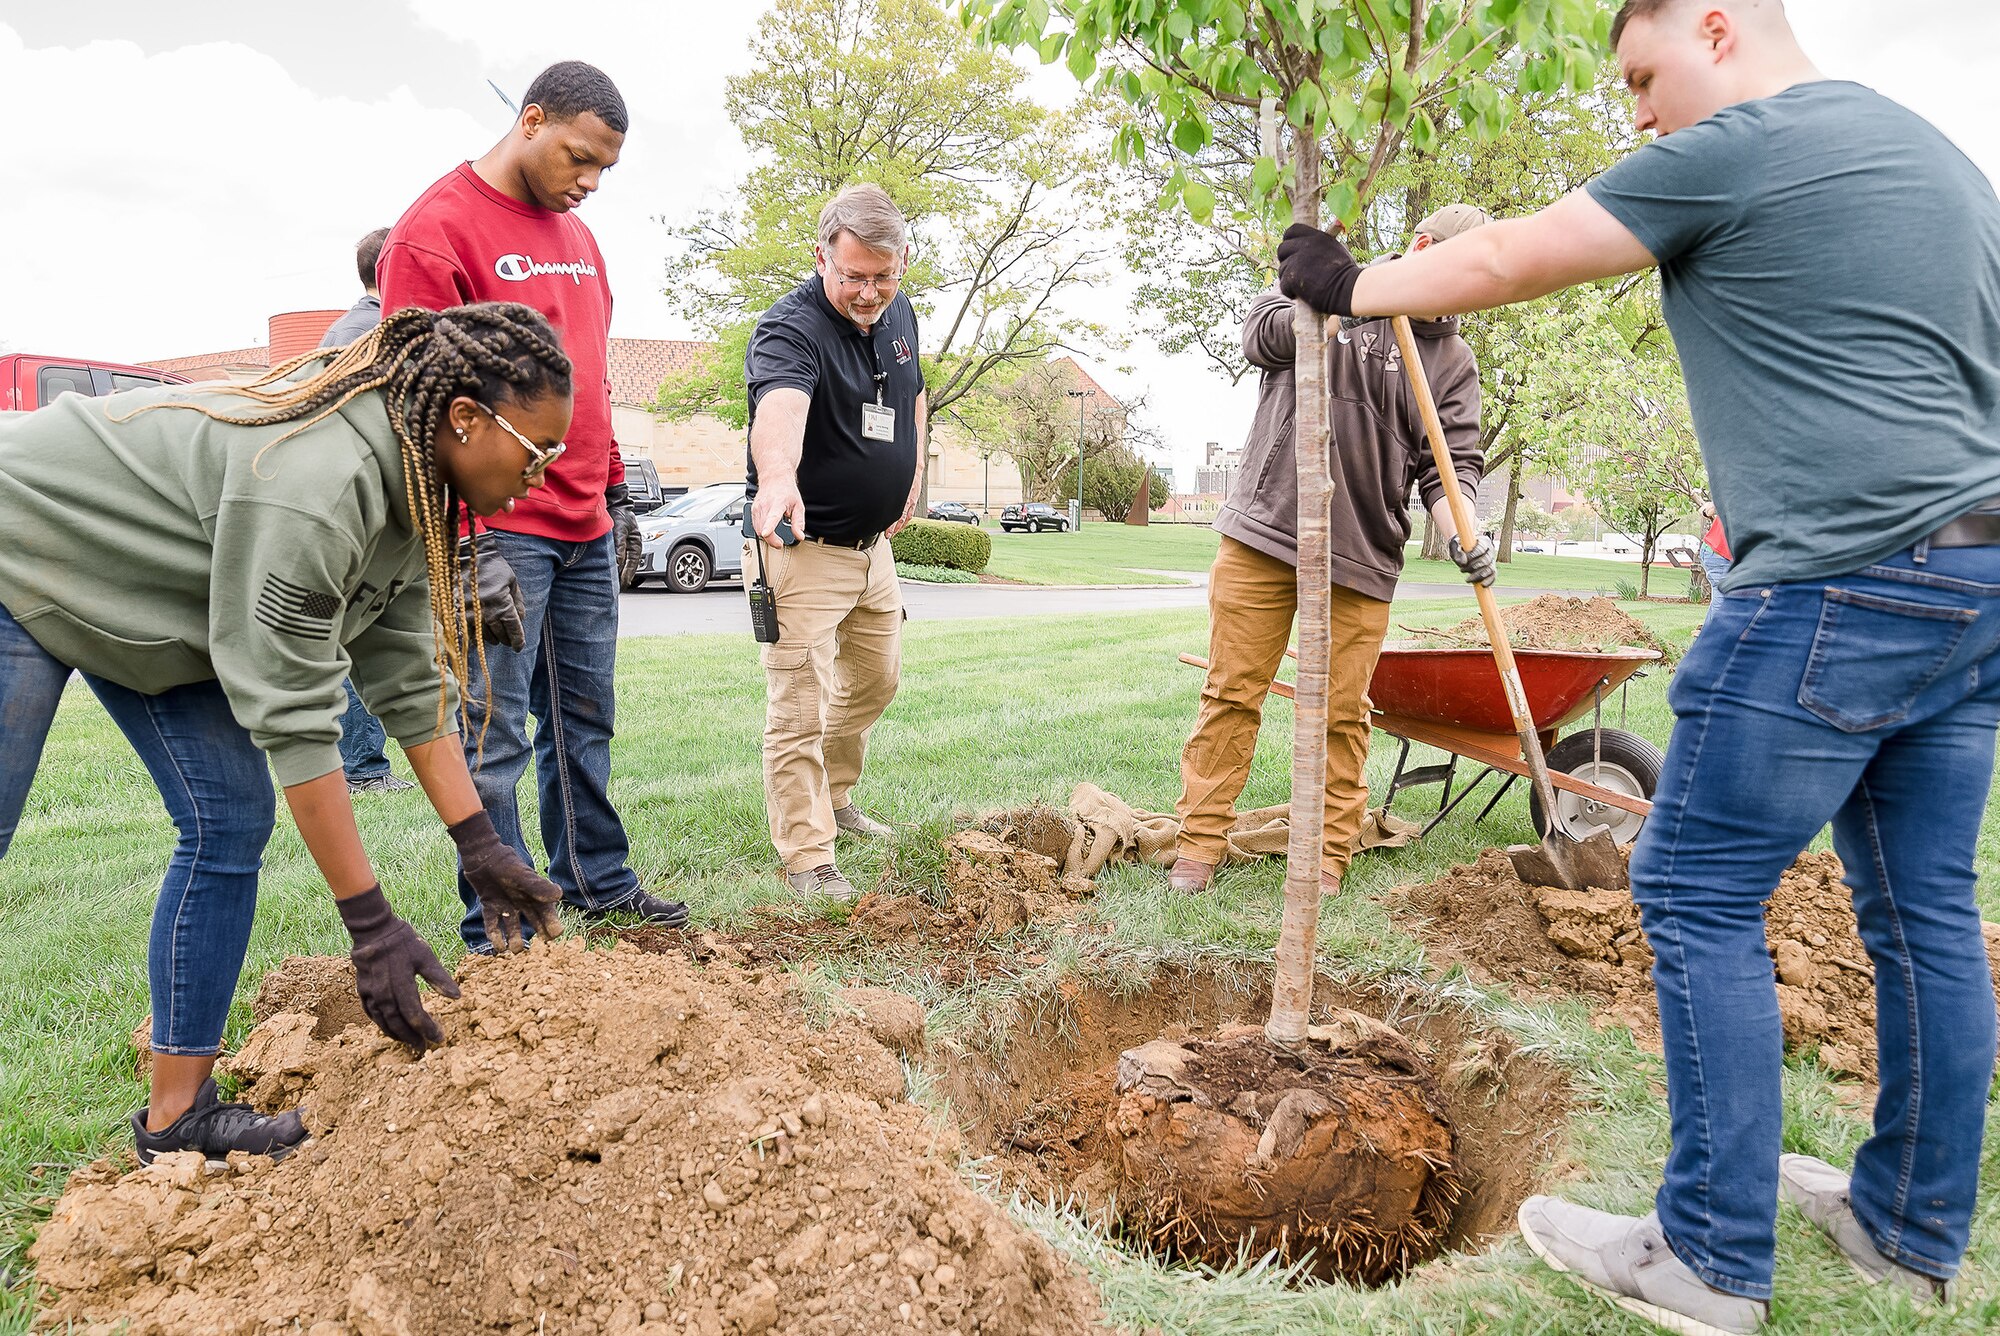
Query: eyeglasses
539, 459
855, 283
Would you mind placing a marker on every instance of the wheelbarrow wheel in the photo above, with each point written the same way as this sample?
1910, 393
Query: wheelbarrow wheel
1610, 758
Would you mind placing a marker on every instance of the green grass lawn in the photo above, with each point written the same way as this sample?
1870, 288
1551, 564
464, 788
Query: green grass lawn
1127, 555
989, 715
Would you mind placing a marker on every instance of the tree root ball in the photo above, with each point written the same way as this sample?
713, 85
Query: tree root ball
1337, 1150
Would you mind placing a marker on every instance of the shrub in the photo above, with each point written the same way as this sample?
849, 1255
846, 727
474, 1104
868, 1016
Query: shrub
943, 575
962, 547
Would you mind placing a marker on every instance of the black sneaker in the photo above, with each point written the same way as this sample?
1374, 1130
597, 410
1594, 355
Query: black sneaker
215, 1129
649, 910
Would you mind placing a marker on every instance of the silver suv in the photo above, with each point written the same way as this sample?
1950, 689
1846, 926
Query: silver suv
694, 539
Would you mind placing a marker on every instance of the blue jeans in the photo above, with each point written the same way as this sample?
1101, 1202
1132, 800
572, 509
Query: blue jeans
361, 740
1869, 700
564, 678
1715, 565
217, 788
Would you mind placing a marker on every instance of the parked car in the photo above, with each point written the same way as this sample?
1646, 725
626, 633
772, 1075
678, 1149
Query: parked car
1529, 547
694, 539
952, 511
1034, 517
29, 380
642, 483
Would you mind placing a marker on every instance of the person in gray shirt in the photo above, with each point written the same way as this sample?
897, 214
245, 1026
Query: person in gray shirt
1846, 394
363, 742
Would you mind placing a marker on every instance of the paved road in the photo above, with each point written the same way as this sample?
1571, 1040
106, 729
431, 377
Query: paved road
652, 611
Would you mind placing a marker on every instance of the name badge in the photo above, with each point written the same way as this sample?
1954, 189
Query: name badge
878, 422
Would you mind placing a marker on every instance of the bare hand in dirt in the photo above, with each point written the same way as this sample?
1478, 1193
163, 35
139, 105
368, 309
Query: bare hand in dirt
778, 500
389, 958
510, 892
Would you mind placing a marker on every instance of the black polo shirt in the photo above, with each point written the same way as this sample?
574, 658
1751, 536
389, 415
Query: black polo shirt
853, 486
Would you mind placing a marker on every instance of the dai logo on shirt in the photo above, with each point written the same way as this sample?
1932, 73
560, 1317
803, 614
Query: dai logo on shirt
902, 349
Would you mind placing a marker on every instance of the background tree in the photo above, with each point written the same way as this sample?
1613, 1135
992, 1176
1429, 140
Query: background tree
1111, 483
1030, 415
997, 189
1370, 77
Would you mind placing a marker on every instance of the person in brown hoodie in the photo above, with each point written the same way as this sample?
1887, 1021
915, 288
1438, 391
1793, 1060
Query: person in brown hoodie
1378, 451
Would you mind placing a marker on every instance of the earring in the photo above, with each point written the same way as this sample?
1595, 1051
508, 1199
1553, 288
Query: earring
461, 434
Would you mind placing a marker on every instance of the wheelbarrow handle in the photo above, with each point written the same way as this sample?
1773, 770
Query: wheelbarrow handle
1468, 535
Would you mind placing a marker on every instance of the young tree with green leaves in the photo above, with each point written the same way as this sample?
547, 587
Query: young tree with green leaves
1371, 76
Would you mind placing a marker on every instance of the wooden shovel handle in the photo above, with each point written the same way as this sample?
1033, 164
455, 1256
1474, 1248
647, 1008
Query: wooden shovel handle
1468, 534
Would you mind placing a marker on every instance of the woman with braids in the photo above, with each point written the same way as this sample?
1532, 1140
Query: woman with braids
284, 534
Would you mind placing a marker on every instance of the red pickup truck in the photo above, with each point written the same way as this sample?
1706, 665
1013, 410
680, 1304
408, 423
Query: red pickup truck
29, 380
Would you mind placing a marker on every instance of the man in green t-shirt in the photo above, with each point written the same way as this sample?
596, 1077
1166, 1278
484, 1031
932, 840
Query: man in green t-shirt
1846, 393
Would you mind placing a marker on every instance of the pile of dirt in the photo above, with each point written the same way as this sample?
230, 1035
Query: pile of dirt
1589, 942
992, 885
1553, 621
608, 1143
1336, 1150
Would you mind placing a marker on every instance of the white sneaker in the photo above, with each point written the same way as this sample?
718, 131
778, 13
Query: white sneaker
1627, 1261
1820, 1191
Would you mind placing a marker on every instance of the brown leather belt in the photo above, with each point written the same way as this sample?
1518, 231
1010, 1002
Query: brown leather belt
1975, 528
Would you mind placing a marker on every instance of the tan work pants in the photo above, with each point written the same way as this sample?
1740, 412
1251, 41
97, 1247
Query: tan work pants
828, 679
1252, 600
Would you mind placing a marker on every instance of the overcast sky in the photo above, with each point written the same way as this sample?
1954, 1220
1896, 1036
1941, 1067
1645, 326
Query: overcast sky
178, 172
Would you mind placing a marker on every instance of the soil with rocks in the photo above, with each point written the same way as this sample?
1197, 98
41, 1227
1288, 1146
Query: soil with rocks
608, 1143
1589, 942
1556, 621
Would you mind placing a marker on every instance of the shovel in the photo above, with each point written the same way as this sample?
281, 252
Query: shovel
1560, 859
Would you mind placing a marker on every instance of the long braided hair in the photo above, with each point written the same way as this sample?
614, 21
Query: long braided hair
492, 352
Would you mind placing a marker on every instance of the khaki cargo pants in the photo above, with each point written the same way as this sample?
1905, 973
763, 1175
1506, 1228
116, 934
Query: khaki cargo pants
828, 679
1252, 600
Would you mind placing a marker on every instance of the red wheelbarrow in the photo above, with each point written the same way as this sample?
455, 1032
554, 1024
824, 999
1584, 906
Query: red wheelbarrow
1451, 699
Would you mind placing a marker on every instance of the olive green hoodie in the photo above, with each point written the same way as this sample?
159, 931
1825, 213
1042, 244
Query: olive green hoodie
162, 548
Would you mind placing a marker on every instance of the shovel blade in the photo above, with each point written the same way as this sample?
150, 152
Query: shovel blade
1572, 864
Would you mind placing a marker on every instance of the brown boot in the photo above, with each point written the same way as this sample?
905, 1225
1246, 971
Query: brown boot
1190, 875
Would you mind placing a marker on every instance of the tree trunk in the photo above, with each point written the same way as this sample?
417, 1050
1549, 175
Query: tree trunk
1298, 937
1507, 516
1434, 541
1645, 564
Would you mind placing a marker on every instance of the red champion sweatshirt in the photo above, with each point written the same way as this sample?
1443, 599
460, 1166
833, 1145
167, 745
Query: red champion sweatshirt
463, 241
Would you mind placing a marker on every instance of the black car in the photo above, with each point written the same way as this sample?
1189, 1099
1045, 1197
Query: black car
1034, 517
952, 511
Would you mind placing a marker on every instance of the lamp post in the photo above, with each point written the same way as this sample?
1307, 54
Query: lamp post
1082, 397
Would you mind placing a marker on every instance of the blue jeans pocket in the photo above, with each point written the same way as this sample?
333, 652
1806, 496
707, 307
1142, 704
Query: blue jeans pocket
1873, 656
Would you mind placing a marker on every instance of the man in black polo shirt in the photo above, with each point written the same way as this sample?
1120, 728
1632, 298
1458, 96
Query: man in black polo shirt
836, 436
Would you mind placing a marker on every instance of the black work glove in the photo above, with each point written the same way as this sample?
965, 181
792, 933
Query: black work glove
389, 958
1314, 267
627, 547
509, 890
501, 607
1481, 564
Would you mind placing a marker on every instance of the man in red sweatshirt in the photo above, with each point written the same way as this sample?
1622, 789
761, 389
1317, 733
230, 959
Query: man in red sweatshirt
504, 229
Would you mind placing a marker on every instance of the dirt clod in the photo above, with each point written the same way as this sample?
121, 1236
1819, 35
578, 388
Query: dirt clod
1339, 1147
318, 986
895, 1019
608, 1142
1589, 942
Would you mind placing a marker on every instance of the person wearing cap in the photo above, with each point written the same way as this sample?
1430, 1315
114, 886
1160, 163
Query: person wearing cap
837, 421
1379, 449
1846, 397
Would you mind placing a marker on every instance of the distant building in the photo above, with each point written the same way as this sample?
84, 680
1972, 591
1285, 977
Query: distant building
1217, 473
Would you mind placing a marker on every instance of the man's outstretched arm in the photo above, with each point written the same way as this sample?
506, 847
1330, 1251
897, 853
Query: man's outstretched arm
1575, 240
